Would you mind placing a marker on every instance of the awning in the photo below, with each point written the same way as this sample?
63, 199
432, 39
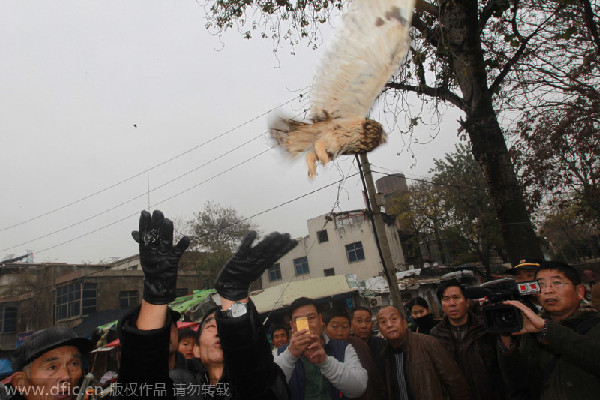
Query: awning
180, 304
91, 323
284, 294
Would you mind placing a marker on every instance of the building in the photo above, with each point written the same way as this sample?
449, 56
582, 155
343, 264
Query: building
40, 295
389, 188
337, 244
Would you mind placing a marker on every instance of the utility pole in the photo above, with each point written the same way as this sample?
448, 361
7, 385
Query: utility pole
379, 230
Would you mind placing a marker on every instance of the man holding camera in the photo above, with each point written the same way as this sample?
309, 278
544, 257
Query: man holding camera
559, 354
474, 349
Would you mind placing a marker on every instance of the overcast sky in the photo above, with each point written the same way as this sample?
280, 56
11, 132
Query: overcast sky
94, 93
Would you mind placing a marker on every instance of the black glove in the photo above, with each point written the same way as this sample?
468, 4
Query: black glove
249, 263
158, 257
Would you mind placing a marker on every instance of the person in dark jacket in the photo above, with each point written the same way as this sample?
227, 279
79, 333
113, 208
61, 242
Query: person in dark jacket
337, 326
144, 333
417, 366
362, 328
474, 349
559, 354
419, 310
48, 365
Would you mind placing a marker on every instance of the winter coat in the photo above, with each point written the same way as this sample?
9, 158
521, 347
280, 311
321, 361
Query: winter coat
476, 354
249, 373
432, 372
565, 367
375, 385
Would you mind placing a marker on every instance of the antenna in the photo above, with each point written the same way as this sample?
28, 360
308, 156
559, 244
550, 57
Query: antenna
148, 192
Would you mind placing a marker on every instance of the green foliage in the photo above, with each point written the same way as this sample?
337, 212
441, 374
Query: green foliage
467, 201
216, 231
569, 235
454, 210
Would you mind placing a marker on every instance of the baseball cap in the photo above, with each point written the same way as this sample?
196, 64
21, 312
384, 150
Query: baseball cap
45, 340
525, 264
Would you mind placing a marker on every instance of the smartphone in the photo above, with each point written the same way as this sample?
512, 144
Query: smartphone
301, 323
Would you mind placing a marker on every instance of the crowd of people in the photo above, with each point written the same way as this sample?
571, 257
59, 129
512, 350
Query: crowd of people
397, 353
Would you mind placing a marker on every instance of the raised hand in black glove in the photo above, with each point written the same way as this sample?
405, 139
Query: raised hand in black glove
158, 256
249, 263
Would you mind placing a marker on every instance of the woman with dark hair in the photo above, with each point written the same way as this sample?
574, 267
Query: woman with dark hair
418, 308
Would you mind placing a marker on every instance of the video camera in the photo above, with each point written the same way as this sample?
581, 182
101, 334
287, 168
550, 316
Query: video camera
498, 317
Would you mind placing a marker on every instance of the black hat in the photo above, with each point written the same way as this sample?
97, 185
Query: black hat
45, 340
525, 264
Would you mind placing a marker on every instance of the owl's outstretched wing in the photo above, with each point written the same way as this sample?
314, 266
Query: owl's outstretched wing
366, 52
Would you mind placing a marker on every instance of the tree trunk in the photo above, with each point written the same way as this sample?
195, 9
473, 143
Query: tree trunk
460, 21
440, 246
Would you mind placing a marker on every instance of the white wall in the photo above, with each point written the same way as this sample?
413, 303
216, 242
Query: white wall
341, 231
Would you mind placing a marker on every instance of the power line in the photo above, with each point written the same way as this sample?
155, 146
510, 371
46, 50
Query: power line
160, 164
135, 197
160, 202
422, 179
132, 215
148, 192
288, 283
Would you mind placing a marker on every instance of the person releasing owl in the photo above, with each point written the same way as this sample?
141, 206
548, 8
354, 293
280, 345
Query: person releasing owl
367, 51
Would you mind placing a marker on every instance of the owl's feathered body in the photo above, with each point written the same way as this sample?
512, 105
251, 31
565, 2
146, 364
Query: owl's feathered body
368, 50
324, 140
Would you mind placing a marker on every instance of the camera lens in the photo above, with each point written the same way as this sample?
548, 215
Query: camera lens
502, 318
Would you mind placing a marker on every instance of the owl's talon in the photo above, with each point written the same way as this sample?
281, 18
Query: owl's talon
311, 163
321, 152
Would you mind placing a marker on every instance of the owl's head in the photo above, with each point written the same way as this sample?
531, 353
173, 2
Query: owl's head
373, 134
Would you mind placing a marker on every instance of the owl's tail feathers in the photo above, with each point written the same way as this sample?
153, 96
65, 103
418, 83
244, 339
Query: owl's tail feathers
295, 136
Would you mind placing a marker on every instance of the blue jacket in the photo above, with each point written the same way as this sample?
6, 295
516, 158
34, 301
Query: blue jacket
334, 348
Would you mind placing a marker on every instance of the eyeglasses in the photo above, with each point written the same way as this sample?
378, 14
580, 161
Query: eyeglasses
553, 284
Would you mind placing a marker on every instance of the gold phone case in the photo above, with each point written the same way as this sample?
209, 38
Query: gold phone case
301, 323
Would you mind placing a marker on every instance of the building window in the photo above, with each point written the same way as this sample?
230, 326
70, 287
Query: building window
275, 273
329, 272
181, 292
75, 300
355, 252
128, 299
68, 300
301, 265
88, 299
8, 319
322, 236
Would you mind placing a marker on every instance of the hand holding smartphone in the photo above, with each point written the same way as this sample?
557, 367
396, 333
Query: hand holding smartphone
302, 323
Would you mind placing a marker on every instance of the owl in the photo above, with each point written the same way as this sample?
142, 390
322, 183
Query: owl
366, 52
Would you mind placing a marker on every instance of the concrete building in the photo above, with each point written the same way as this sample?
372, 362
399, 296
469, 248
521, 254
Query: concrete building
390, 188
337, 244
41, 295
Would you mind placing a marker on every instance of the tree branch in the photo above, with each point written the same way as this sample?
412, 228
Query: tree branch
588, 15
428, 34
441, 93
488, 10
513, 60
424, 6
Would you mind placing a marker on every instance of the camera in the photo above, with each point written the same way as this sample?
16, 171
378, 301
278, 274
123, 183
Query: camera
498, 317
